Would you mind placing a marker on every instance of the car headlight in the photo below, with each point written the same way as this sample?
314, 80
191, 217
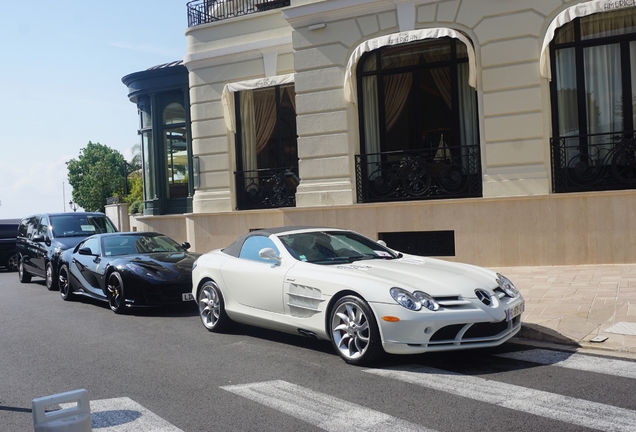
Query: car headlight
405, 299
507, 286
413, 301
194, 264
145, 273
426, 300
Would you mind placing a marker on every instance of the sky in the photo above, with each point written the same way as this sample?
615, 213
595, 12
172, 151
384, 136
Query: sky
61, 67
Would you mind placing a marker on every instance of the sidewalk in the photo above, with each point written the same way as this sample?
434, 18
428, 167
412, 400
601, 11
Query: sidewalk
587, 306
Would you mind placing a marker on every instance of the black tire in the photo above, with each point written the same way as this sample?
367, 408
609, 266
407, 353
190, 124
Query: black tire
13, 262
115, 293
212, 308
51, 277
65, 284
354, 331
23, 275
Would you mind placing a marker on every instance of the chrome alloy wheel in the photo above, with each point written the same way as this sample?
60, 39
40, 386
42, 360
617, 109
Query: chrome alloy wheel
210, 305
350, 330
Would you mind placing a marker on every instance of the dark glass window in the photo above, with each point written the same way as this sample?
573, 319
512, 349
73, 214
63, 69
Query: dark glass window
593, 61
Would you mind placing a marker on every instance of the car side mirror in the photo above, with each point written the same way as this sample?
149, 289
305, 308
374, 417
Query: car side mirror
381, 243
85, 251
185, 245
38, 238
270, 254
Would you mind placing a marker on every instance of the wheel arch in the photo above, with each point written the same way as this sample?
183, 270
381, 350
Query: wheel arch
334, 299
200, 285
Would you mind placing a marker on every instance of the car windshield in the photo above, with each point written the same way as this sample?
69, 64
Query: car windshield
333, 247
80, 225
139, 244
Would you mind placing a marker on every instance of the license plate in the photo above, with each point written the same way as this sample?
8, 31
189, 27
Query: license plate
515, 311
187, 297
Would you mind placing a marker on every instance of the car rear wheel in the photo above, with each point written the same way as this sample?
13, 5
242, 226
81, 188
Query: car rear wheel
354, 331
65, 287
115, 293
212, 308
51, 280
23, 275
13, 262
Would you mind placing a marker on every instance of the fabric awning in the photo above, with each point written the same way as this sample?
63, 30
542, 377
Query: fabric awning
401, 38
568, 15
227, 99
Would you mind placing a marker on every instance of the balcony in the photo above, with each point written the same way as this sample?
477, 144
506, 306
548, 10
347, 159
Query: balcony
451, 172
266, 188
207, 11
594, 162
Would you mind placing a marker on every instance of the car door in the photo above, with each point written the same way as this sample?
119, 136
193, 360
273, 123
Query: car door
89, 267
40, 248
253, 281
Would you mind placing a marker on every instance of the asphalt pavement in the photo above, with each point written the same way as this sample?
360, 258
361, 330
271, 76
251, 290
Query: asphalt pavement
583, 307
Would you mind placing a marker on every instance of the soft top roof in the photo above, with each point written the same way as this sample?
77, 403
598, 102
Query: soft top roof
235, 248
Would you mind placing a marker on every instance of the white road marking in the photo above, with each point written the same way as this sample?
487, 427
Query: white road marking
125, 415
580, 412
321, 410
621, 368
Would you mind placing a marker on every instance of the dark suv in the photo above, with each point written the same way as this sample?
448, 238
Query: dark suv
42, 238
8, 251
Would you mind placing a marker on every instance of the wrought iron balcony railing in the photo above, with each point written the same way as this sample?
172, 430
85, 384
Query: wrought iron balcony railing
266, 188
451, 172
207, 11
594, 162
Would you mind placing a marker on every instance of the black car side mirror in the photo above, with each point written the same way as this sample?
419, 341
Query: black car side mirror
85, 251
38, 238
185, 245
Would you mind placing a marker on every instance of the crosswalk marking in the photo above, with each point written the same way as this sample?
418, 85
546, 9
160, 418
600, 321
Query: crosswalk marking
124, 415
321, 410
580, 412
621, 368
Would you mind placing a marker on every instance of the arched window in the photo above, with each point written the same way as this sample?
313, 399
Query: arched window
418, 122
593, 92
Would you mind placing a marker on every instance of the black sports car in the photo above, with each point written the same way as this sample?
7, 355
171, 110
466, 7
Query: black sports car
128, 269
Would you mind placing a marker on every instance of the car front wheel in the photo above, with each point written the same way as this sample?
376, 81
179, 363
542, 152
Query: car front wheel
65, 287
23, 275
354, 331
115, 293
212, 308
51, 280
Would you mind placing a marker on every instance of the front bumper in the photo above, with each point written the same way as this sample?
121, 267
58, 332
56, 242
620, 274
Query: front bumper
445, 329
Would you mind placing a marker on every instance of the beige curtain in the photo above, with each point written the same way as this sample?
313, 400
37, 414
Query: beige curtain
258, 119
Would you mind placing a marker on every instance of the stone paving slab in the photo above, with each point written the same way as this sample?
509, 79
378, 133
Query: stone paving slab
572, 305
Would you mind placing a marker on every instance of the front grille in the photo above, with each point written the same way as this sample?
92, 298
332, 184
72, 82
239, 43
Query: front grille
475, 333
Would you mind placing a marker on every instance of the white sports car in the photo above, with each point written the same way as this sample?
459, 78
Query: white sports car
338, 285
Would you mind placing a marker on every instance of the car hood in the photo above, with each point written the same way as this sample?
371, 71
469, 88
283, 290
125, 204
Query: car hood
64, 243
166, 262
433, 276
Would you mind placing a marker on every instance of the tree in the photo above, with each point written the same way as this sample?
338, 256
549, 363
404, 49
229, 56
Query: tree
96, 175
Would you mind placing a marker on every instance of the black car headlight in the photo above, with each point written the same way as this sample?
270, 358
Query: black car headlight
144, 273
507, 286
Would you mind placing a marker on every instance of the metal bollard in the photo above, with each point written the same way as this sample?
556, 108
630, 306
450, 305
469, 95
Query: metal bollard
73, 419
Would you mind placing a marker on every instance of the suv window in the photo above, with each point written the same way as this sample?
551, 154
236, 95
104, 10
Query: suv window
71, 225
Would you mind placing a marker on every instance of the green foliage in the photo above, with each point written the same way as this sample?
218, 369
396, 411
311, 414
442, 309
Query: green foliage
97, 174
136, 207
135, 195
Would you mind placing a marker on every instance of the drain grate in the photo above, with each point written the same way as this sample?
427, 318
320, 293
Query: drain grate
623, 328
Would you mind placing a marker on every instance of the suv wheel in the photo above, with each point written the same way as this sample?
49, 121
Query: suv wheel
23, 275
51, 279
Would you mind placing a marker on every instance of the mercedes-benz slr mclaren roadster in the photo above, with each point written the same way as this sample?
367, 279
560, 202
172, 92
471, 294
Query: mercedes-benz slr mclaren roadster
338, 285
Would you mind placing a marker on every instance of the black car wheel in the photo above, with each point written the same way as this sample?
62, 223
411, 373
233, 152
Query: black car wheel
65, 286
212, 308
13, 262
23, 275
51, 279
115, 293
354, 331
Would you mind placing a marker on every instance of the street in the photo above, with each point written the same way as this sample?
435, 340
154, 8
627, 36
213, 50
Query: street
162, 366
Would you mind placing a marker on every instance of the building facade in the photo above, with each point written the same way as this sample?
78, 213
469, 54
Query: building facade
493, 132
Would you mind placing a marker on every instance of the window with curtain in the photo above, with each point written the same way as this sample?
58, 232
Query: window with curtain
266, 145
415, 101
593, 67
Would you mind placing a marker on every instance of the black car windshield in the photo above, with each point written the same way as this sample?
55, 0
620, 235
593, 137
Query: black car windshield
334, 247
139, 244
80, 225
